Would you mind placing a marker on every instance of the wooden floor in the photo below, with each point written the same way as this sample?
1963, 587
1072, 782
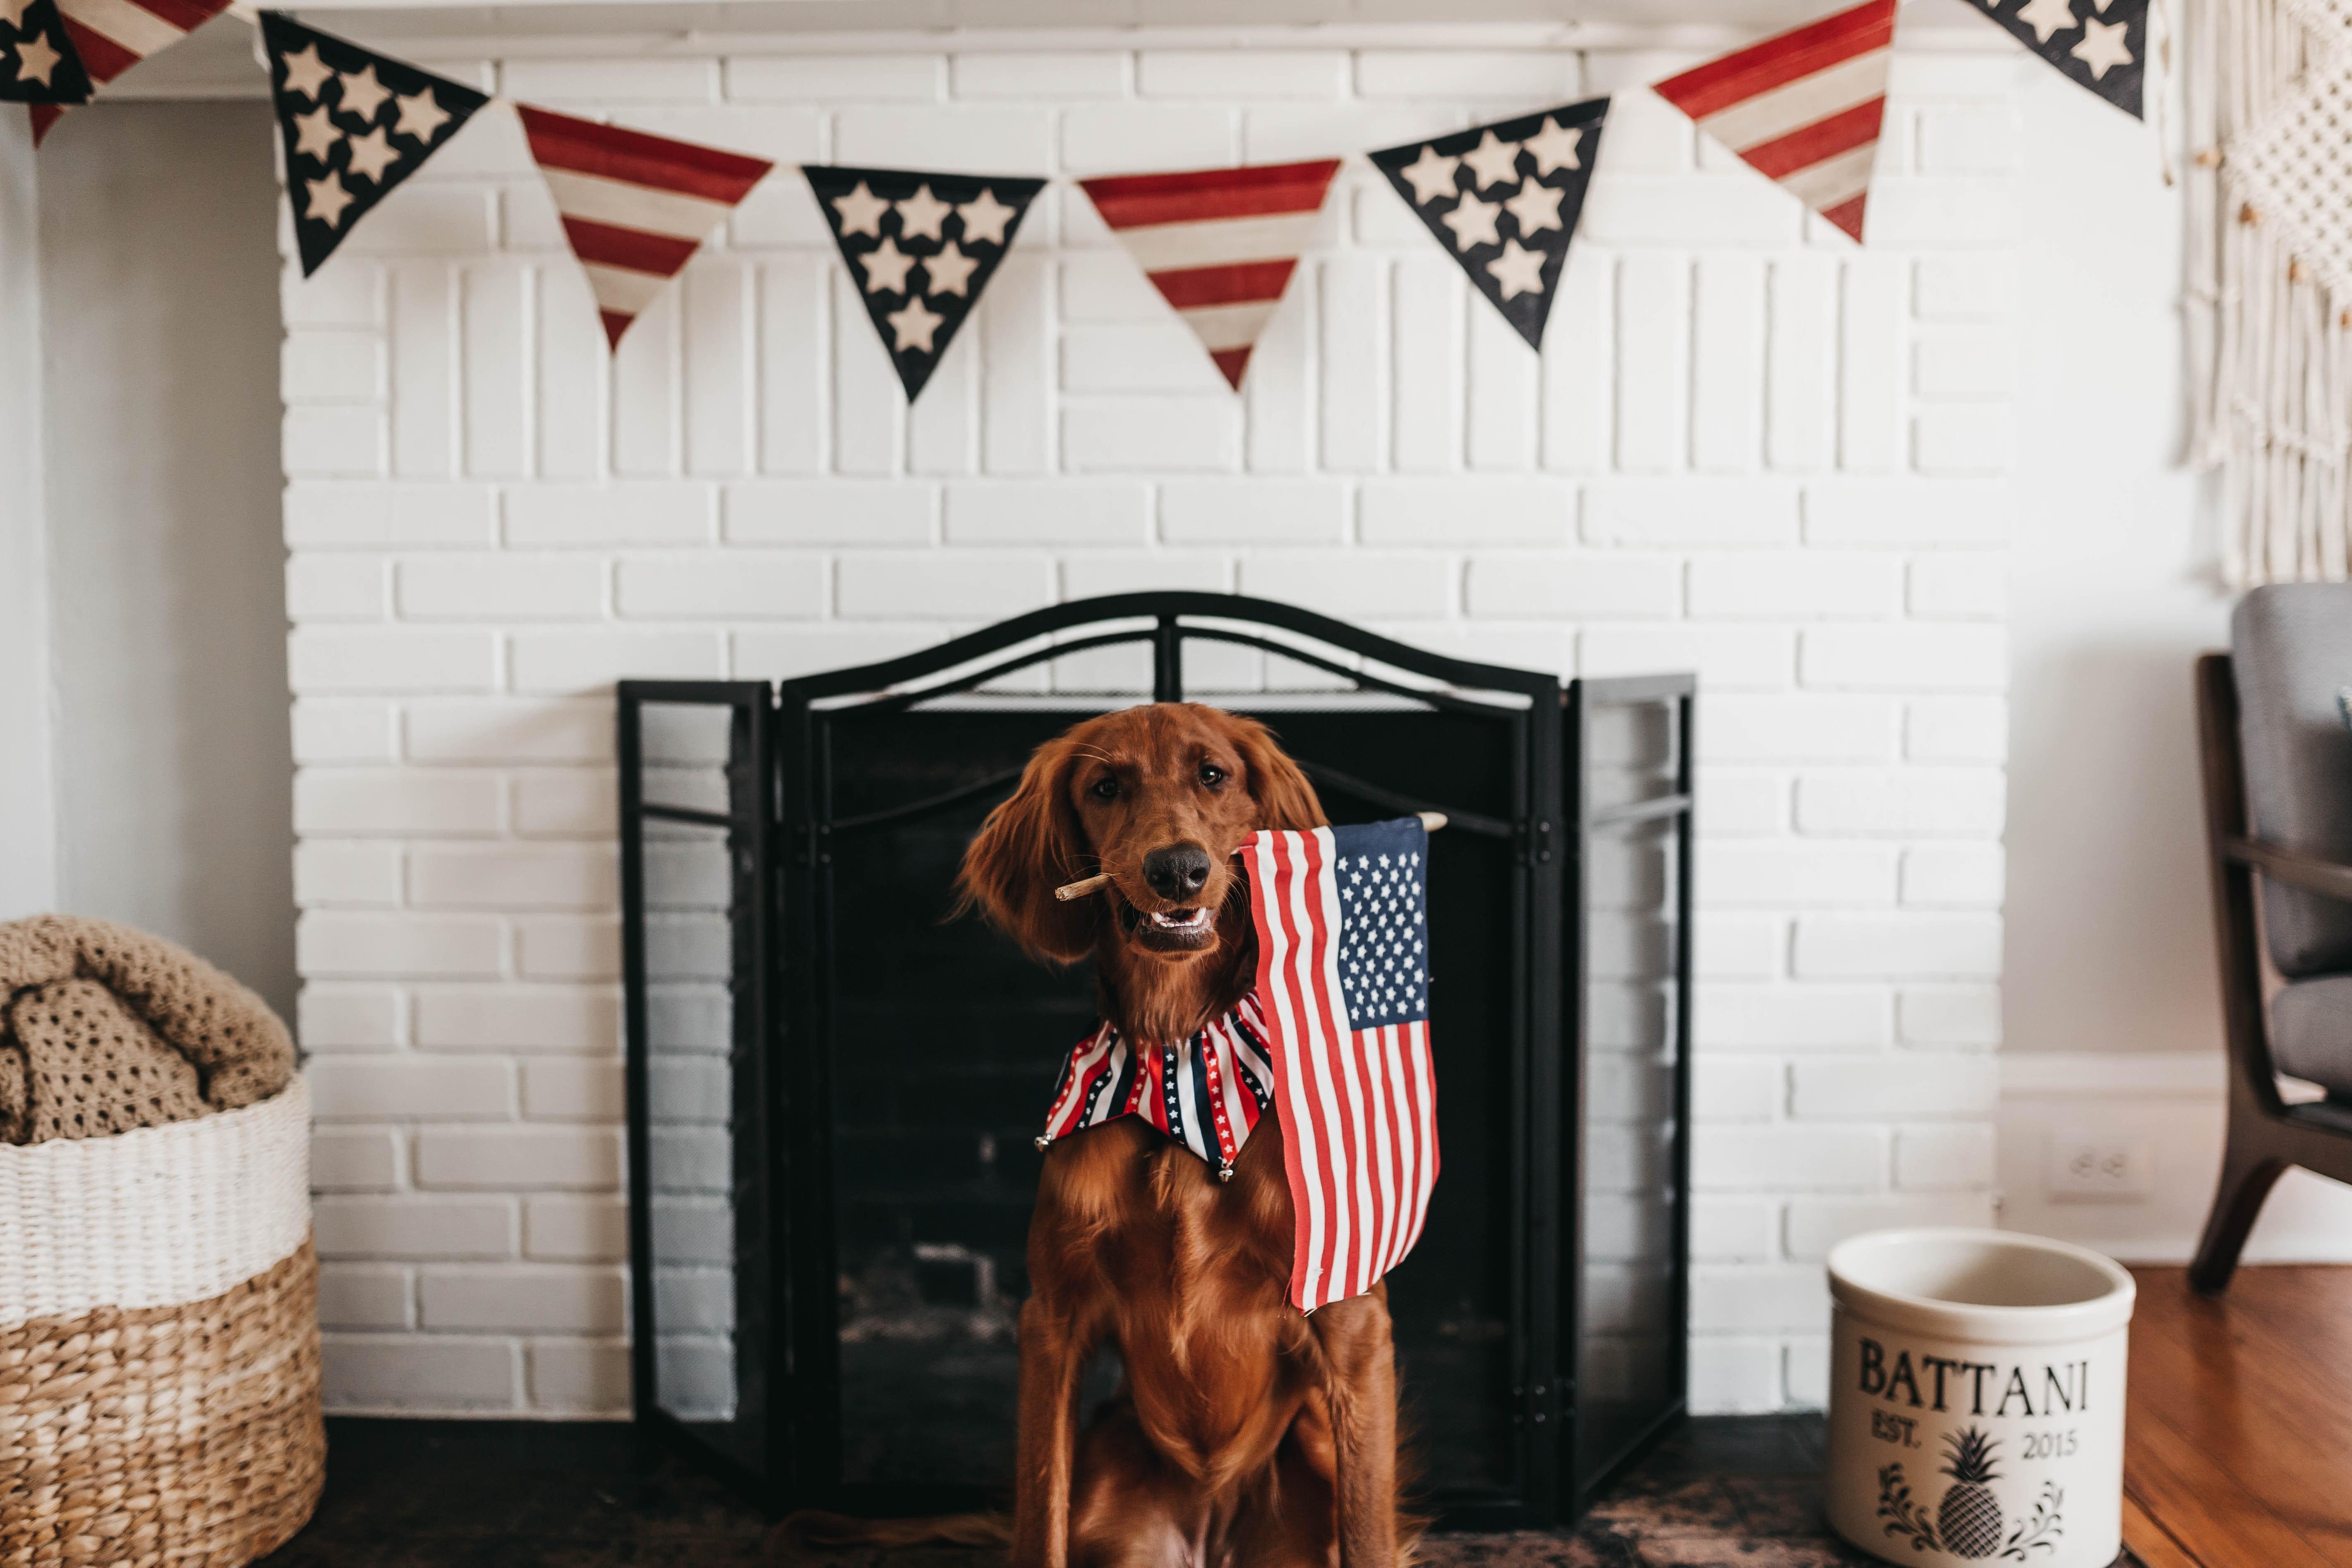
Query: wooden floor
2239, 1439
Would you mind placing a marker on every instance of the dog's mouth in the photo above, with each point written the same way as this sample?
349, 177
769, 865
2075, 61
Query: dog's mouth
1168, 930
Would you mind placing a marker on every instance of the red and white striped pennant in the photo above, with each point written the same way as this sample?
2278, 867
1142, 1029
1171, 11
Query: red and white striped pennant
1804, 108
1219, 244
111, 36
635, 208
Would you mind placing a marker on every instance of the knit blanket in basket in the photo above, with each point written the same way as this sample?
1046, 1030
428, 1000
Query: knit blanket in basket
104, 1030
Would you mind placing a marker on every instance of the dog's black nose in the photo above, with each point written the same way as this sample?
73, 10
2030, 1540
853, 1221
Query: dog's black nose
1177, 873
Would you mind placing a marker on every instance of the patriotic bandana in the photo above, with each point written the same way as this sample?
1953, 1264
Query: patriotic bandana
1207, 1093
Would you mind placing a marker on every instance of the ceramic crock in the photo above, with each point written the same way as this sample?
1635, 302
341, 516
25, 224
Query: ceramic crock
1977, 1399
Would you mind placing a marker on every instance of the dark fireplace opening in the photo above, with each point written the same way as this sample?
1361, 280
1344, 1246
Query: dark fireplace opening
835, 1087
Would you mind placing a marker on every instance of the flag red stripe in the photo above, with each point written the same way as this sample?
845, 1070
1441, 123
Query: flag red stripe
584, 147
1847, 215
1234, 283
1781, 60
608, 245
1232, 362
1401, 1181
1201, 195
1808, 144
44, 116
1317, 939
101, 56
615, 323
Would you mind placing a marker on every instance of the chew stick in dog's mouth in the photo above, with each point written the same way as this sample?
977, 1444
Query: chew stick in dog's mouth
1430, 820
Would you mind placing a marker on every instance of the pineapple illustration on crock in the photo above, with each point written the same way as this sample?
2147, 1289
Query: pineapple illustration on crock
1968, 1519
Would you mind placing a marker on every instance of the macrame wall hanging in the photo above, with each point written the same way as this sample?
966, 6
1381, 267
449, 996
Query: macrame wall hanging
2270, 211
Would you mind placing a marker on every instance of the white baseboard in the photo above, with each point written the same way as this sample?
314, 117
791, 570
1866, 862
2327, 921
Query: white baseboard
2168, 1106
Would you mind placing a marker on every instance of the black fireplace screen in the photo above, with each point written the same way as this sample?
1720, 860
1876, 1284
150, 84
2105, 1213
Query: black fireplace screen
834, 1087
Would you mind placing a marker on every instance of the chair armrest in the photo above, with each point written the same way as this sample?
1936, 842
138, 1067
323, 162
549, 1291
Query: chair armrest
2329, 878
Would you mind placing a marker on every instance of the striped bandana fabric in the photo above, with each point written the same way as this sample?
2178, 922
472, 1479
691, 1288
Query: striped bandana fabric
1207, 1093
1802, 108
635, 208
1220, 245
1343, 978
110, 37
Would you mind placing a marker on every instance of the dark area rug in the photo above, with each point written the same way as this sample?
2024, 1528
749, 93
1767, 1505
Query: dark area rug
1724, 1490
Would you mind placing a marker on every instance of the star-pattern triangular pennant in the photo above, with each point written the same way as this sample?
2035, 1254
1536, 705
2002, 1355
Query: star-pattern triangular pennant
108, 37
355, 124
1220, 245
635, 208
919, 247
1504, 200
2101, 44
37, 63
1804, 107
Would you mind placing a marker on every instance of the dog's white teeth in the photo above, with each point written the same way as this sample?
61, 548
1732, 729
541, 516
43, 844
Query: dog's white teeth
1181, 920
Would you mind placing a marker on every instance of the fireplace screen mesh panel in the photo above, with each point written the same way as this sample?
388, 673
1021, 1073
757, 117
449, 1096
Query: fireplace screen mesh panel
830, 1066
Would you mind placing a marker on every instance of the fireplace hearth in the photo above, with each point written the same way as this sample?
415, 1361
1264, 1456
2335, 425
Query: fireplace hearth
834, 1087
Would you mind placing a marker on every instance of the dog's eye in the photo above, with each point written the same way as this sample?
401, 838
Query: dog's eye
1212, 774
1105, 789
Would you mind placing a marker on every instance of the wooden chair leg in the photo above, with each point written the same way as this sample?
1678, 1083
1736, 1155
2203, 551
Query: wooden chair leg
2247, 1177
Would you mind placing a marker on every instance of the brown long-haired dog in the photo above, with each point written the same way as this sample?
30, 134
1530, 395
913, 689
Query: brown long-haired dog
1243, 1434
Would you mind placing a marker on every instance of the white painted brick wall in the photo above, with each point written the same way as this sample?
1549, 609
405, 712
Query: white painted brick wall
1751, 450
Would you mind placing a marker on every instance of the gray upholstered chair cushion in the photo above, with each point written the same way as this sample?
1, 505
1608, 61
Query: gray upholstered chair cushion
2311, 1033
2291, 647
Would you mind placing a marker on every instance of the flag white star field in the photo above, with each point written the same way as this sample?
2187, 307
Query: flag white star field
919, 248
355, 123
1504, 200
1220, 245
635, 208
1803, 108
2101, 44
1342, 916
38, 64
110, 37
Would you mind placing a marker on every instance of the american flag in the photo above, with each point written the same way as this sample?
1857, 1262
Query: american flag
1207, 1093
1343, 983
1803, 108
635, 208
1220, 245
110, 37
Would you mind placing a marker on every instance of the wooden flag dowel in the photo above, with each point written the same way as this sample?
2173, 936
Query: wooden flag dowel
1430, 820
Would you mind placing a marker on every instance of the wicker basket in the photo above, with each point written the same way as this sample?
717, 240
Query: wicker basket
159, 1343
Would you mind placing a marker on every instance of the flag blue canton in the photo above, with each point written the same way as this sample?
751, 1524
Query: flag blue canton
1383, 938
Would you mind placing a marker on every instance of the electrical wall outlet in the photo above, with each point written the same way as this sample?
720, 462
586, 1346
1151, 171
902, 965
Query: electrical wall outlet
2097, 1167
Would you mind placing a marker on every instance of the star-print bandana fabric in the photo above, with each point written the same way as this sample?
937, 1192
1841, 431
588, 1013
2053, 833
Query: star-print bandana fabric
919, 247
1504, 200
355, 124
37, 63
2101, 44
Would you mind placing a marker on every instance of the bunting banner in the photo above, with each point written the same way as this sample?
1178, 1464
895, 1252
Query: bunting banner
38, 64
919, 248
1220, 245
355, 123
1802, 108
1504, 200
635, 208
108, 37
2101, 44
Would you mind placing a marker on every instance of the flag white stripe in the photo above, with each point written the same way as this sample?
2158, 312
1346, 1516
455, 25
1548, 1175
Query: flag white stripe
136, 28
625, 206
1419, 1036
1396, 1153
1280, 968
1793, 105
1313, 882
1217, 242
1833, 180
1228, 326
620, 291
1200, 1134
1355, 1258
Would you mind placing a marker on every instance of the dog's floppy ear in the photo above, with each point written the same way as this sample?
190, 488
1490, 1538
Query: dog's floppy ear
1285, 798
1030, 845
